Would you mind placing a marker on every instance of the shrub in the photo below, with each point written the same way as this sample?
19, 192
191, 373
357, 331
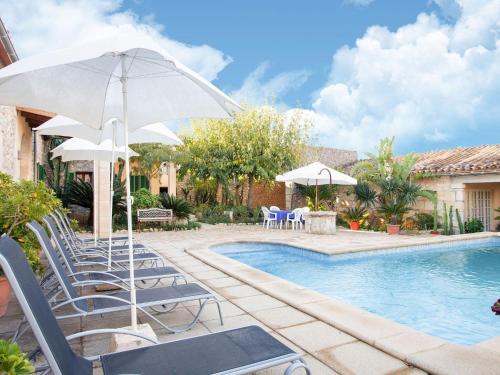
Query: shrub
424, 221
473, 226
143, 198
81, 193
13, 361
461, 228
181, 207
20, 203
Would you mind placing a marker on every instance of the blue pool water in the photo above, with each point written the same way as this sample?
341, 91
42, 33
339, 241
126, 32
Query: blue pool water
443, 290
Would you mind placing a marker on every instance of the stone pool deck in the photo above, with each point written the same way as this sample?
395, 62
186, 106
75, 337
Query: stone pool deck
333, 336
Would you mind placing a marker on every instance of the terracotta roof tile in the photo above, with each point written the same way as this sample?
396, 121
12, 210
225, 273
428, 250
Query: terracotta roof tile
461, 160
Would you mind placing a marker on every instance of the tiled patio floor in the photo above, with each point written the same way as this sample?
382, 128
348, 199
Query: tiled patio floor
327, 349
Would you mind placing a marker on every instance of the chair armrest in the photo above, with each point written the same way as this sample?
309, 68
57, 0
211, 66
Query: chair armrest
111, 331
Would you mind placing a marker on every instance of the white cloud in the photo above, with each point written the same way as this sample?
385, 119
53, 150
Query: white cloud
36, 26
428, 81
257, 90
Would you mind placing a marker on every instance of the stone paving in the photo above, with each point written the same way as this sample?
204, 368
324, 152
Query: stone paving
326, 348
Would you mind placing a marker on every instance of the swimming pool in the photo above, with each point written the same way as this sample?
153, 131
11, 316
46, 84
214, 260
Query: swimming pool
445, 290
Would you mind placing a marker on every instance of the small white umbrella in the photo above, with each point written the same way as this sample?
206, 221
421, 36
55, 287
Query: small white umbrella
126, 76
66, 127
316, 173
80, 149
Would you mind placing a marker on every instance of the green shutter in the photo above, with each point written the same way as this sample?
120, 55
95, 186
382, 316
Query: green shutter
138, 182
71, 177
41, 172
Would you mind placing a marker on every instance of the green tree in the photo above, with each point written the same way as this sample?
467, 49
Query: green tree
256, 145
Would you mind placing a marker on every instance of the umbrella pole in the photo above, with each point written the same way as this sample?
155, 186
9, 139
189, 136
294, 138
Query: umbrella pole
316, 203
133, 300
111, 194
94, 211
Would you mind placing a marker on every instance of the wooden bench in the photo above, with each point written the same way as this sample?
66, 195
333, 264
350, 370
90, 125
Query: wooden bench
160, 215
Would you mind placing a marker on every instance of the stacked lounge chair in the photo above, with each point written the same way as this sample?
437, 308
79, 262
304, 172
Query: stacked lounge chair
237, 351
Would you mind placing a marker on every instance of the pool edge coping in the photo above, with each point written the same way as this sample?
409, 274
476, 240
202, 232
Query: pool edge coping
278, 288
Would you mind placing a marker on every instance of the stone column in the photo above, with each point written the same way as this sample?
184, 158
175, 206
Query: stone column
101, 197
289, 188
172, 179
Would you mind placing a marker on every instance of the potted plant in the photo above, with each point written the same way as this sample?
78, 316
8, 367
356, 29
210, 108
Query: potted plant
13, 361
393, 227
4, 293
354, 216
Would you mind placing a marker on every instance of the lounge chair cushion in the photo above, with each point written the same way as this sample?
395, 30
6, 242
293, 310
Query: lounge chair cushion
140, 274
123, 258
200, 355
154, 296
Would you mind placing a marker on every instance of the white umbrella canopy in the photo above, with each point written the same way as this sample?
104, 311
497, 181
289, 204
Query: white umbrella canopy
66, 127
81, 149
126, 76
316, 174
84, 83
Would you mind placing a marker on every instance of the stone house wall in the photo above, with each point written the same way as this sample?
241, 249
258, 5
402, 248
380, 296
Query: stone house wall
8, 152
453, 191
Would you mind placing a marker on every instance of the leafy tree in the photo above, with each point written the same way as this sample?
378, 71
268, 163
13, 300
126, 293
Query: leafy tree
256, 145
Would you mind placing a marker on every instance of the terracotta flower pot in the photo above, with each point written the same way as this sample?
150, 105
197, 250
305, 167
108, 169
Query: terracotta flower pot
435, 232
354, 225
4, 295
393, 228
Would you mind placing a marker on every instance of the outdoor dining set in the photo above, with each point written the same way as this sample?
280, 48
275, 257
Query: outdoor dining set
275, 217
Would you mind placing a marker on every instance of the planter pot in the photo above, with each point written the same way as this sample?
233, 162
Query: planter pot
354, 225
435, 232
393, 228
4, 295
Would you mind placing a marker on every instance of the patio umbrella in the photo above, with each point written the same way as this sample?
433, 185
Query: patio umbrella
66, 127
126, 76
80, 149
316, 174
153, 133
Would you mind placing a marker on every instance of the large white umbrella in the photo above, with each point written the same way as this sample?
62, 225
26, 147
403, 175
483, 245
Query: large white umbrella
316, 174
80, 149
126, 76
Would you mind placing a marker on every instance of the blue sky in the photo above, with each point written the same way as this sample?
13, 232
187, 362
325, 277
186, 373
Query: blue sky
288, 35
424, 71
